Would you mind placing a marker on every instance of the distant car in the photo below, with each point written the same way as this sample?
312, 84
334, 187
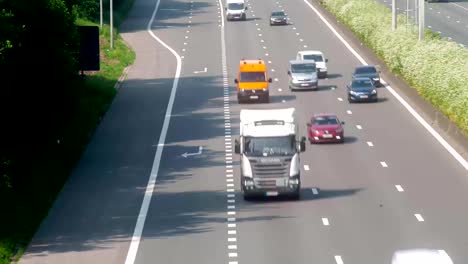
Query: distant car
278, 18
362, 89
369, 71
316, 56
426, 256
302, 75
325, 128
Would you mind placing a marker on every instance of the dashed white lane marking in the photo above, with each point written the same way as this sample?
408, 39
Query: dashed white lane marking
294, 28
297, 33
232, 254
408, 107
419, 217
232, 246
384, 164
370, 144
232, 239
283, 101
279, 89
429, 26
306, 167
232, 232
266, 54
264, 47
339, 260
349, 112
272, 70
399, 188
137, 232
359, 127
314, 191
231, 213
340, 99
305, 46
325, 221
276, 79
301, 40
259, 35
233, 262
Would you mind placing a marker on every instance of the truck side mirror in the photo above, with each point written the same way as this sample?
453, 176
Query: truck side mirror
270, 80
308, 124
289, 72
236, 147
225, 8
326, 60
246, 8
236, 81
303, 144
342, 122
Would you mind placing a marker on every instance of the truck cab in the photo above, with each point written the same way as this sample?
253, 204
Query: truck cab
269, 149
235, 10
252, 81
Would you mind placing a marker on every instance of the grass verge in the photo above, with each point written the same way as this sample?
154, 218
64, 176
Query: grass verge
436, 68
93, 97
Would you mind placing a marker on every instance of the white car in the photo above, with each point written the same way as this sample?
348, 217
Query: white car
421, 256
319, 59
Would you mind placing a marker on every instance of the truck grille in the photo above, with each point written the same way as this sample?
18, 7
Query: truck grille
272, 170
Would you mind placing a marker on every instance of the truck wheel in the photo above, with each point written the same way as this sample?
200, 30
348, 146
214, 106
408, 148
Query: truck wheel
296, 196
247, 197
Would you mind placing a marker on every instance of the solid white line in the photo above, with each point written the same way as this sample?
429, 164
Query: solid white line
314, 191
383, 164
459, 6
408, 107
325, 221
370, 144
419, 217
136, 237
399, 188
339, 260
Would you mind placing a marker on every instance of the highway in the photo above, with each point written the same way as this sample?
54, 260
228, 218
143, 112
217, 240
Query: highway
448, 18
145, 192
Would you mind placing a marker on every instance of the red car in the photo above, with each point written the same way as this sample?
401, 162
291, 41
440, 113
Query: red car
325, 128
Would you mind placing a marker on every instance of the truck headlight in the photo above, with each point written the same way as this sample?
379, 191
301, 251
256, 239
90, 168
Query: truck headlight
246, 168
294, 169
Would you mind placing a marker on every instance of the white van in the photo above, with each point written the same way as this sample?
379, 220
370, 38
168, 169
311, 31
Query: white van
235, 10
319, 59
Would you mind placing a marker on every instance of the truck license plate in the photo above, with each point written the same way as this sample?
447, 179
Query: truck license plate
254, 97
271, 193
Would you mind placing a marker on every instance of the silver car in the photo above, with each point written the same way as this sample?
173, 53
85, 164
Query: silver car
302, 74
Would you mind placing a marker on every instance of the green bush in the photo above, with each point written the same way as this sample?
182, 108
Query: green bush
436, 67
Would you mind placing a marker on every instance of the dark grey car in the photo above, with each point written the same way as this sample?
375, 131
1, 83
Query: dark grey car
278, 18
362, 89
369, 71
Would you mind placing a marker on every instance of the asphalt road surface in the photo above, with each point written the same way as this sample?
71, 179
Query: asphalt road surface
449, 18
159, 182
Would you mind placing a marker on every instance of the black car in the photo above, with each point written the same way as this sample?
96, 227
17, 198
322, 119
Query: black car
369, 71
278, 18
362, 89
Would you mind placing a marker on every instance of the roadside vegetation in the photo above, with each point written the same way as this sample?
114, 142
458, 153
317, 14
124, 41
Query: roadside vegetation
48, 111
436, 68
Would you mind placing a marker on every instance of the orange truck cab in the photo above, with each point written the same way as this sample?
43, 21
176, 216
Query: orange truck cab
252, 81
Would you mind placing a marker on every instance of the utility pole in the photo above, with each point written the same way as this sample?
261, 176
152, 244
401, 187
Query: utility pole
111, 24
394, 15
100, 13
421, 19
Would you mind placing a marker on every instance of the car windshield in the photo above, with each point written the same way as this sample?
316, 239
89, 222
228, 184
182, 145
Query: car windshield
269, 146
235, 6
277, 14
365, 70
315, 57
362, 84
325, 120
303, 68
252, 77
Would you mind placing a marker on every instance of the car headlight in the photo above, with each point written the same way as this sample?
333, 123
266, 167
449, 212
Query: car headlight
374, 91
246, 168
353, 92
314, 131
295, 81
376, 78
295, 167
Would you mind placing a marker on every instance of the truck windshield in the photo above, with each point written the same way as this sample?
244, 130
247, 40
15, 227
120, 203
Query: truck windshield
269, 146
235, 6
303, 68
252, 77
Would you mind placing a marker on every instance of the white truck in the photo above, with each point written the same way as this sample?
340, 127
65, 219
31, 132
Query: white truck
269, 148
235, 10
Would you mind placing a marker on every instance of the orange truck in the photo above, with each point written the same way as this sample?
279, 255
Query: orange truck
252, 81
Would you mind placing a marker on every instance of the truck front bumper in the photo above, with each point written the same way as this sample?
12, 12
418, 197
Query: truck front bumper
270, 186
